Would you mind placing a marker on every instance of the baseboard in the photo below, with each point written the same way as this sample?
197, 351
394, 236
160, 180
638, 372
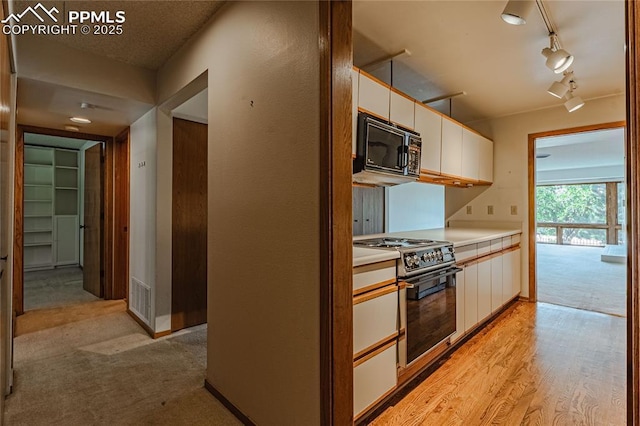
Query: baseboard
146, 327
228, 404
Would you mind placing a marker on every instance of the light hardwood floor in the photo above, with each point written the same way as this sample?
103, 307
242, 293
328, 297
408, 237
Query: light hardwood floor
537, 364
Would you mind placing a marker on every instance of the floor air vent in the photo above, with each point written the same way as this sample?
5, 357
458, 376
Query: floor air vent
141, 299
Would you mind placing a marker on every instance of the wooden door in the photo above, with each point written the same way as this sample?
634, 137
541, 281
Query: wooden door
189, 225
357, 210
373, 210
121, 217
92, 226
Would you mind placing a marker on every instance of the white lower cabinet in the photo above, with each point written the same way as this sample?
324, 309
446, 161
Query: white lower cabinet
375, 320
460, 329
470, 296
516, 277
507, 275
497, 298
484, 289
373, 379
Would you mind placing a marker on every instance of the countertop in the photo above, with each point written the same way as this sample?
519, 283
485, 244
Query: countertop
458, 236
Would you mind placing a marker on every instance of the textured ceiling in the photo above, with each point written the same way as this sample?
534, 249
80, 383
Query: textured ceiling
465, 46
152, 32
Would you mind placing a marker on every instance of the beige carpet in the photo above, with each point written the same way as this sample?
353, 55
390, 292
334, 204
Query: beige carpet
576, 277
54, 288
104, 370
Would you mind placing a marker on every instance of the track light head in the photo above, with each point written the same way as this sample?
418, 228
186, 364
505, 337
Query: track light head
573, 103
560, 88
515, 12
558, 59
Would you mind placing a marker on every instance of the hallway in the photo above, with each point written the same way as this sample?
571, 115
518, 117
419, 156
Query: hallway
104, 370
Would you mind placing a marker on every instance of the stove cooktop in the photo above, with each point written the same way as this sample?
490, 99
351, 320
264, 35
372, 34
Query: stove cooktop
396, 243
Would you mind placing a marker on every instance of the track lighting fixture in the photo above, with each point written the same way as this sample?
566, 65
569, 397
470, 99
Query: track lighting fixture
573, 103
516, 11
558, 59
560, 88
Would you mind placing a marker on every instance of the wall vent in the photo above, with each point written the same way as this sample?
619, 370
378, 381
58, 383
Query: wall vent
141, 300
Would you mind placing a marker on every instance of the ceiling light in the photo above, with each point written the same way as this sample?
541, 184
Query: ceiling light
573, 103
72, 128
558, 59
80, 120
560, 88
516, 11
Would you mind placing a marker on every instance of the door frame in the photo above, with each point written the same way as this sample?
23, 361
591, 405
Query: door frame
18, 225
531, 189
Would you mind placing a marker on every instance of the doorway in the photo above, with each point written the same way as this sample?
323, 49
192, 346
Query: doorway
189, 214
63, 256
577, 243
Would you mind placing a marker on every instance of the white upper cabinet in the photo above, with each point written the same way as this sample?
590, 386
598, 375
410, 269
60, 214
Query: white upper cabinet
451, 156
373, 97
401, 110
355, 75
470, 154
429, 125
485, 163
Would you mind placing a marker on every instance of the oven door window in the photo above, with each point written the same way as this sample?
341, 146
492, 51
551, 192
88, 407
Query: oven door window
432, 317
386, 148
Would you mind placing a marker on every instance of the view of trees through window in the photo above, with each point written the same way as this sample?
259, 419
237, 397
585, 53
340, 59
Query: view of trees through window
584, 204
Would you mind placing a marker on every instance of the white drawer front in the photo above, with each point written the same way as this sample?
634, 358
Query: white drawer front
373, 378
515, 239
506, 242
374, 320
372, 274
466, 252
496, 245
484, 248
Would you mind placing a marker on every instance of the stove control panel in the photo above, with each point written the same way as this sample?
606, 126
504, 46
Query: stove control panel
427, 258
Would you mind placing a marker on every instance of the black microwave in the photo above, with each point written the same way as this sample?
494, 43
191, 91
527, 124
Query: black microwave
386, 154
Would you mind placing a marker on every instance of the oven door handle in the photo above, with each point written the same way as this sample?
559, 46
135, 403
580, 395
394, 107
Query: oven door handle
449, 271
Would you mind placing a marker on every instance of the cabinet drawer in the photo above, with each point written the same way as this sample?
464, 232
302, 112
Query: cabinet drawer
374, 378
374, 320
506, 242
515, 239
376, 275
496, 245
484, 248
466, 252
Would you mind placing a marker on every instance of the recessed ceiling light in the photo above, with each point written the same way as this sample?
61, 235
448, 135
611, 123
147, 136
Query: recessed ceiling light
80, 120
72, 128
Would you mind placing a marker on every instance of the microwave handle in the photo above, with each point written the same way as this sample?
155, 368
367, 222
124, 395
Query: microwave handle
405, 157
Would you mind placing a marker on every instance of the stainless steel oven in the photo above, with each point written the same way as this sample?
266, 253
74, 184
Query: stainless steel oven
429, 307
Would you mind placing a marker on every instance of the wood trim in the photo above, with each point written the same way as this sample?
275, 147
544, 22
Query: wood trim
404, 126
363, 353
228, 404
430, 172
372, 287
336, 249
107, 206
531, 195
18, 225
121, 186
146, 327
361, 298
632, 145
376, 79
402, 285
366, 111
364, 185
64, 133
378, 351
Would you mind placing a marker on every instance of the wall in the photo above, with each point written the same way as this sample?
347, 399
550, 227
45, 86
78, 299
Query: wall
510, 187
264, 237
414, 206
142, 219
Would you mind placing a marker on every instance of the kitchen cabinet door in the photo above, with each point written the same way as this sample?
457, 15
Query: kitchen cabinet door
470, 154
485, 160
451, 156
355, 75
507, 276
375, 320
429, 125
459, 307
373, 96
484, 289
401, 110
517, 279
373, 211
357, 210
470, 296
497, 298
374, 378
